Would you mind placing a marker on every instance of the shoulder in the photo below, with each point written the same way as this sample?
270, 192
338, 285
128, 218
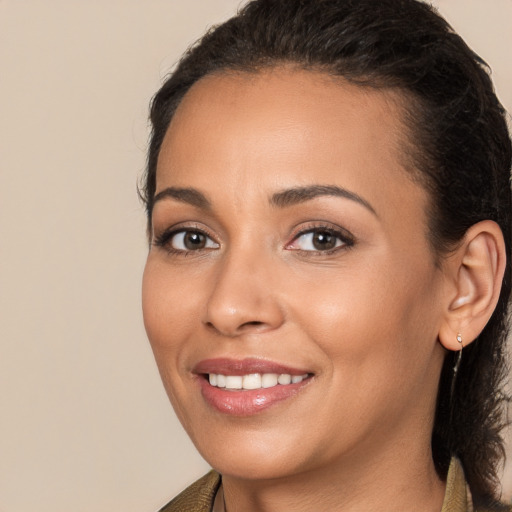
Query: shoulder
198, 497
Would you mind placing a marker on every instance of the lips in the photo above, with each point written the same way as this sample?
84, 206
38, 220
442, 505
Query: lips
248, 386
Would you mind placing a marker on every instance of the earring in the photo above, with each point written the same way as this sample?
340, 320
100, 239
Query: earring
457, 363
459, 356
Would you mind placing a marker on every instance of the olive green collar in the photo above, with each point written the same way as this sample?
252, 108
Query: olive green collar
457, 497
199, 497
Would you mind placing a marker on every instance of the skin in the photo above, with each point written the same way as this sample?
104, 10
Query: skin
364, 319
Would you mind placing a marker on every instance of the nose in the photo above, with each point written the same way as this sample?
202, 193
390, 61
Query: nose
244, 298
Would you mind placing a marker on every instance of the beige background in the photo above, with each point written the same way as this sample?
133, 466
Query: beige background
84, 422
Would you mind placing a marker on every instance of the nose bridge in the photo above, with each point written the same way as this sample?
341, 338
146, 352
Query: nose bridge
243, 297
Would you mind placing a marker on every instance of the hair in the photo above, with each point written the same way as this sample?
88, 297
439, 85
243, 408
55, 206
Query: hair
459, 148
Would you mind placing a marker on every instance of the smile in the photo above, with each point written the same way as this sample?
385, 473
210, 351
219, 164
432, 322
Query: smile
243, 387
253, 381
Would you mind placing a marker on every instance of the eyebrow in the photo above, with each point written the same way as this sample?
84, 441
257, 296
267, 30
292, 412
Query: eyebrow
184, 195
283, 199
297, 195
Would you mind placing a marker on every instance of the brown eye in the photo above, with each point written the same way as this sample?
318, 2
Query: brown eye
193, 240
190, 240
323, 240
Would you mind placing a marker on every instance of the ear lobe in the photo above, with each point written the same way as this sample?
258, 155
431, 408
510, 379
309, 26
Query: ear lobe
477, 271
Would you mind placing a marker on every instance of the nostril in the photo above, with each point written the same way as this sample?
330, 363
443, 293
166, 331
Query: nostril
244, 327
254, 326
244, 314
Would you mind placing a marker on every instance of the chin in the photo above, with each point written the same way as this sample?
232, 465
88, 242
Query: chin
252, 454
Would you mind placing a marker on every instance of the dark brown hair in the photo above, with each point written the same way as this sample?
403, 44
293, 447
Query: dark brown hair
461, 151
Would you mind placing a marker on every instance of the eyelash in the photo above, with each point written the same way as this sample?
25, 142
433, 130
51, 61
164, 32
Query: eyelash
164, 240
347, 240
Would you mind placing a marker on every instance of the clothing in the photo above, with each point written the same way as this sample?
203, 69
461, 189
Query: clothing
199, 497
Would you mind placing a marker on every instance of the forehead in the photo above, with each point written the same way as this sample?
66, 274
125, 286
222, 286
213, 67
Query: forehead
294, 125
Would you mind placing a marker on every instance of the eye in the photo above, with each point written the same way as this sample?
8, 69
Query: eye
185, 240
320, 240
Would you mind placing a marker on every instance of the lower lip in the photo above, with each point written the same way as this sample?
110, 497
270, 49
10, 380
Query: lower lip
248, 402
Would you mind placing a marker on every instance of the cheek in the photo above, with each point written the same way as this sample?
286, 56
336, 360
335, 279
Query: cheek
162, 312
155, 301
163, 308
370, 317
377, 355
169, 305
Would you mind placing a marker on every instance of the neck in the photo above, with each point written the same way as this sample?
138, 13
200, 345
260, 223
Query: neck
401, 480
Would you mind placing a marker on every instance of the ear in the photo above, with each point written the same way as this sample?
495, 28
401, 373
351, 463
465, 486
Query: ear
475, 273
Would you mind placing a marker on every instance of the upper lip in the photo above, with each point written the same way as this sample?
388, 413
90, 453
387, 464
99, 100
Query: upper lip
227, 366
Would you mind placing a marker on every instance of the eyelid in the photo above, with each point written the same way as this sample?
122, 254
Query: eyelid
165, 238
347, 239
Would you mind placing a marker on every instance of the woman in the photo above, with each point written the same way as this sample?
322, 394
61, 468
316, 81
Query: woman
326, 290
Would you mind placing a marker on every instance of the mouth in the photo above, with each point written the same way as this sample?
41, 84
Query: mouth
249, 386
253, 381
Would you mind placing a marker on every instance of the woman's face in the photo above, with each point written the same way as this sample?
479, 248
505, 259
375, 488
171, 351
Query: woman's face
289, 250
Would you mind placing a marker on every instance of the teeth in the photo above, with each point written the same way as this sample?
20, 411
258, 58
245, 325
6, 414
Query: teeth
269, 380
233, 382
221, 381
284, 379
253, 380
